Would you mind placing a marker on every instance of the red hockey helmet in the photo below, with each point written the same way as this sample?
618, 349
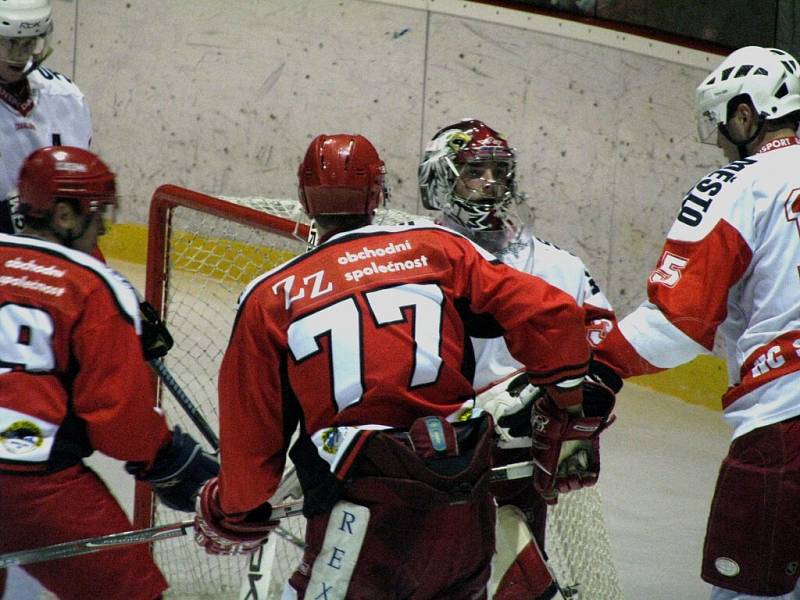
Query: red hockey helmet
341, 174
56, 172
476, 141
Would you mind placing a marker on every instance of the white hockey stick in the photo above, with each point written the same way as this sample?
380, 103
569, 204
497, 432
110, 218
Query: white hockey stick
124, 538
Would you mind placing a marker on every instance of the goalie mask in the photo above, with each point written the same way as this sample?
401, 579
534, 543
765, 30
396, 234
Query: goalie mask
766, 77
25, 29
468, 173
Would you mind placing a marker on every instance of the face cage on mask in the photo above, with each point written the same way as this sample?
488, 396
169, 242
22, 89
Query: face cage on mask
473, 213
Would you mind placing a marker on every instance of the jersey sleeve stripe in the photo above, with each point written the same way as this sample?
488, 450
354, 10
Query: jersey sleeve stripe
657, 340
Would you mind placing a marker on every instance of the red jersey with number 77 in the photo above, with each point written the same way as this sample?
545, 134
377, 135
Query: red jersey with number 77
372, 328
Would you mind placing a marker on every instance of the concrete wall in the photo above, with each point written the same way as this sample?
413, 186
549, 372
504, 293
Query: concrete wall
223, 96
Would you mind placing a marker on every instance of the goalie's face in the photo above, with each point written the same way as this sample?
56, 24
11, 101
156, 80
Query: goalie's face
484, 182
482, 194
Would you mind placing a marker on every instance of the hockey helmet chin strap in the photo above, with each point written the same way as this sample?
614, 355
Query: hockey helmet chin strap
741, 146
35, 64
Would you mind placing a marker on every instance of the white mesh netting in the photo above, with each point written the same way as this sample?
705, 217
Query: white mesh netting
209, 261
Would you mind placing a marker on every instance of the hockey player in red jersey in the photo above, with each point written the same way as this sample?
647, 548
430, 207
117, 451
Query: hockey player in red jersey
73, 380
364, 343
730, 267
468, 172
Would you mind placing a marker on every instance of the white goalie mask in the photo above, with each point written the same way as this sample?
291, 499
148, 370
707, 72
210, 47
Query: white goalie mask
469, 173
25, 29
767, 76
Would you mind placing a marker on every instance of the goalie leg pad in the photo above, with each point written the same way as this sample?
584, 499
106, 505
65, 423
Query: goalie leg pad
752, 541
519, 571
443, 553
333, 568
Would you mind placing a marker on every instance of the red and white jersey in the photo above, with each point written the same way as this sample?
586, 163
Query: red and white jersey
730, 265
72, 375
55, 115
372, 328
557, 267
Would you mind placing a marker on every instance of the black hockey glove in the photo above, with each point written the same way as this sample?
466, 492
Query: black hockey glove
178, 472
156, 339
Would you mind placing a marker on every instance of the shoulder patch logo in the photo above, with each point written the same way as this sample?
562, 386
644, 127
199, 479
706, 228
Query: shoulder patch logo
21, 437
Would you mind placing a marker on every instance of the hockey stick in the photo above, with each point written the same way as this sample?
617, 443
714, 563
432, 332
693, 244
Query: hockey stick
163, 532
199, 420
186, 404
115, 540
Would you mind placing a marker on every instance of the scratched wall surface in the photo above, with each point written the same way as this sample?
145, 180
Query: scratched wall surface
224, 97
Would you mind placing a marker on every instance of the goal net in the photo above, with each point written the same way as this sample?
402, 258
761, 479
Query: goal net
202, 251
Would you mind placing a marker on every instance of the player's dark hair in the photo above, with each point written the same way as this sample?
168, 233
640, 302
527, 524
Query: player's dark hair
44, 222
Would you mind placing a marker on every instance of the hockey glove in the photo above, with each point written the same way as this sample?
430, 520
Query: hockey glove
510, 405
156, 339
566, 443
223, 534
11, 219
178, 471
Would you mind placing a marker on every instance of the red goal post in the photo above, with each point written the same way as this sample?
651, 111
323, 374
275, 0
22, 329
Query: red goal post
202, 252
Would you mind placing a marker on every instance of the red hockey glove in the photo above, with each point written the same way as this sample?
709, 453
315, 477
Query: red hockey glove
566, 443
225, 534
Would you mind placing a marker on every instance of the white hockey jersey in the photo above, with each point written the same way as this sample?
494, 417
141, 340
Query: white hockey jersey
56, 115
730, 265
560, 268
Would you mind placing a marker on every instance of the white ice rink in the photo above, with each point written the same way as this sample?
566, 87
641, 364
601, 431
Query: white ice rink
660, 461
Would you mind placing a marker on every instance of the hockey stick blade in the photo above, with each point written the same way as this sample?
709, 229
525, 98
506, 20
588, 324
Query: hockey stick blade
124, 538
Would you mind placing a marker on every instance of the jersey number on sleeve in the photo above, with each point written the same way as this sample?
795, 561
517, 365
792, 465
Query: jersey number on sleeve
343, 322
27, 335
669, 270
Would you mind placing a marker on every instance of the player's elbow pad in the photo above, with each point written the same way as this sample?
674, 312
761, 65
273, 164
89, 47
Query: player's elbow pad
178, 471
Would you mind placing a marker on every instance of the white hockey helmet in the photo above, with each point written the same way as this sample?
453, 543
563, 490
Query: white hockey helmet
25, 28
769, 77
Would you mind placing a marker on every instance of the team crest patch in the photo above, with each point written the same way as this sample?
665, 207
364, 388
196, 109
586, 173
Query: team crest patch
727, 566
331, 439
22, 437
